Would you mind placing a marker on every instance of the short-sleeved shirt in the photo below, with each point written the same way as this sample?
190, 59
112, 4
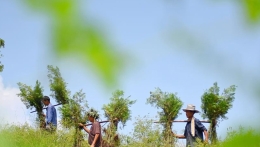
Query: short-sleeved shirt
95, 129
199, 129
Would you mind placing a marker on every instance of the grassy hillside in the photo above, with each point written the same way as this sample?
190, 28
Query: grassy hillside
145, 134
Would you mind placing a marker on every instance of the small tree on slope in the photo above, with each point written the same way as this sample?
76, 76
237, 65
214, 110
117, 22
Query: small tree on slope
215, 106
170, 105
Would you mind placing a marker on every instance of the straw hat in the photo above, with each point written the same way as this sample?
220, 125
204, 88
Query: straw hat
190, 107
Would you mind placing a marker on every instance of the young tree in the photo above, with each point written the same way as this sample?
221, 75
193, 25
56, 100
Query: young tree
116, 111
170, 105
32, 98
73, 108
2, 44
72, 113
215, 106
58, 86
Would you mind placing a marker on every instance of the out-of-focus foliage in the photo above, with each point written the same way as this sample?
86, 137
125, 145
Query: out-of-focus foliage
57, 85
2, 44
73, 34
241, 137
170, 105
253, 9
215, 106
32, 98
116, 111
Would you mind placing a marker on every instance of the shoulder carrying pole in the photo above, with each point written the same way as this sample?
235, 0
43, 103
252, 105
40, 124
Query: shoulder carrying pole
45, 107
203, 121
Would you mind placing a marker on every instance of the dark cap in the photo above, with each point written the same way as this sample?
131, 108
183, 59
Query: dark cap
45, 98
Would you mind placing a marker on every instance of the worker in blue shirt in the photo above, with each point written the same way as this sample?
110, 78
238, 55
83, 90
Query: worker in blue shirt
51, 114
194, 129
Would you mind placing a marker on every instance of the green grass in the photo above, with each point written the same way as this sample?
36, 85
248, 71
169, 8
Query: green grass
145, 134
27, 136
242, 138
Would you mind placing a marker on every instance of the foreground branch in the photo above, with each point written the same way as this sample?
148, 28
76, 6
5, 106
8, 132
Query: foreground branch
105, 121
46, 107
203, 121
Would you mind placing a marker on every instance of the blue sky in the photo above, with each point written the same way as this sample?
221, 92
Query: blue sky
181, 47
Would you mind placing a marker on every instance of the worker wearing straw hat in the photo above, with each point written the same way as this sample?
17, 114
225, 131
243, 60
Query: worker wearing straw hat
194, 129
94, 138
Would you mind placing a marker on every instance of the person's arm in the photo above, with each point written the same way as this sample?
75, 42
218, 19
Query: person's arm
203, 129
84, 127
179, 136
206, 135
95, 140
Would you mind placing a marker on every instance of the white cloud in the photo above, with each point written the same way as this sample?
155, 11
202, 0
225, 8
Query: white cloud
12, 110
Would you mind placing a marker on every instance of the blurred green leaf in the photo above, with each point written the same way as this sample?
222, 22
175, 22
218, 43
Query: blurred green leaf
56, 7
88, 46
242, 137
253, 9
73, 35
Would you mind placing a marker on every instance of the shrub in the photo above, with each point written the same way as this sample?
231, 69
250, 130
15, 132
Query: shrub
215, 106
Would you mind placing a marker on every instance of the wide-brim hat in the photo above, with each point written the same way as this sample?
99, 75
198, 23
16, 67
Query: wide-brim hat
190, 107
